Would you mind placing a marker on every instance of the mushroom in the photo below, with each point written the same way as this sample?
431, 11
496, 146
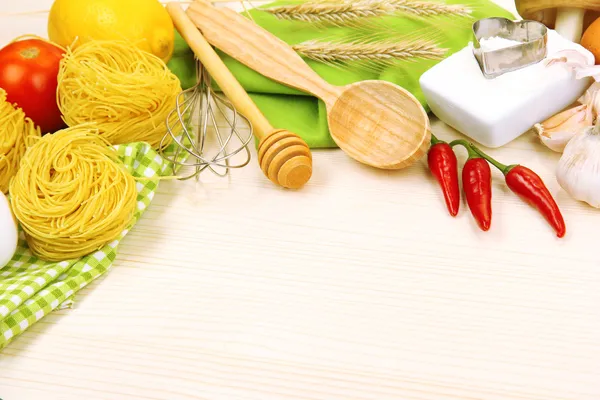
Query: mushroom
569, 18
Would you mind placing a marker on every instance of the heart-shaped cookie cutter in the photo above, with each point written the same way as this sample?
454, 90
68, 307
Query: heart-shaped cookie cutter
533, 38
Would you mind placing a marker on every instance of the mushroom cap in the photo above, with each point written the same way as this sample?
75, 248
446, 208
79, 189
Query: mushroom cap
544, 11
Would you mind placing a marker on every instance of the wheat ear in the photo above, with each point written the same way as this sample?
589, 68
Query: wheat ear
430, 8
379, 52
338, 13
346, 11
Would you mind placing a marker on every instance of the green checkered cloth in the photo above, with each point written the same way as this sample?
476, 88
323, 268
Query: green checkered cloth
31, 288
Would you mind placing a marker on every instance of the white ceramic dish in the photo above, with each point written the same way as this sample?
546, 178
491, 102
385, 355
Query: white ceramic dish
496, 111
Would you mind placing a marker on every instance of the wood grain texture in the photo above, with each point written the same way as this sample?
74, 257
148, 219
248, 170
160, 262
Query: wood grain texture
368, 290
258, 49
376, 123
380, 124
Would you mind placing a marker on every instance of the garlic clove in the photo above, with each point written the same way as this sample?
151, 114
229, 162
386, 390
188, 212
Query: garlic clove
578, 170
557, 130
592, 97
577, 62
557, 141
591, 94
587, 72
562, 117
571, 58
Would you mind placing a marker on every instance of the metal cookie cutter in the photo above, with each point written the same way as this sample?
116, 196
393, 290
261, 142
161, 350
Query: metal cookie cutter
533, 36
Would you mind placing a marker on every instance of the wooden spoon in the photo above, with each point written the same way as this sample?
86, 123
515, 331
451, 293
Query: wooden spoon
283, 156
375, 122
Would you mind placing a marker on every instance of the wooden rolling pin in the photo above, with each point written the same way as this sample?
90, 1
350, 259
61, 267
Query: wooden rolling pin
283, 156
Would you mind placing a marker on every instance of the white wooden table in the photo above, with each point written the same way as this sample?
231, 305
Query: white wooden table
360, 286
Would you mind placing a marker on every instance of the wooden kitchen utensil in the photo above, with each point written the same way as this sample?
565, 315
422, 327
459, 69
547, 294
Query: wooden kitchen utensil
283, 156
375, 122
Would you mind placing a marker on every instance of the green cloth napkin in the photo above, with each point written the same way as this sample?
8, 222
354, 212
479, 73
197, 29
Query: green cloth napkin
305, 115
31, 288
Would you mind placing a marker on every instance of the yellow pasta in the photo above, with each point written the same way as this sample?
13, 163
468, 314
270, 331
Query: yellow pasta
15, 131
128, 92
72, 194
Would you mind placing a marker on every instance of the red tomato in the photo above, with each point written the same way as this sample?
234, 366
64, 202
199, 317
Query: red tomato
28, 74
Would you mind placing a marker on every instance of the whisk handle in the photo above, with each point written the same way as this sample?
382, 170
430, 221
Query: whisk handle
219, 71
283, 156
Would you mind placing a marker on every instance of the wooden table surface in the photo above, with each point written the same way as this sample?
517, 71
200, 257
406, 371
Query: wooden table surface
360, 286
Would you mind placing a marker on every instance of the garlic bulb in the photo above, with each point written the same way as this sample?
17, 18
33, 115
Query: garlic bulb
558, 130
578, 171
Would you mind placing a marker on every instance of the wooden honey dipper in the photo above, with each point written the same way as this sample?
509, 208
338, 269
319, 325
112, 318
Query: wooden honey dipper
283, 156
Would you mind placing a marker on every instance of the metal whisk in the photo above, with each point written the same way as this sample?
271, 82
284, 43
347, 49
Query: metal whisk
197, 114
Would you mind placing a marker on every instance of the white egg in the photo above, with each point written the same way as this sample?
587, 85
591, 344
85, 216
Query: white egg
8, 232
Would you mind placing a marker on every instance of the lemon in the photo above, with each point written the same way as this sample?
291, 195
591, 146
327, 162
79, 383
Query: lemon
143, 22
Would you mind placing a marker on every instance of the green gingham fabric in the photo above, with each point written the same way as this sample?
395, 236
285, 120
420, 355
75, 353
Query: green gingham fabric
31, 288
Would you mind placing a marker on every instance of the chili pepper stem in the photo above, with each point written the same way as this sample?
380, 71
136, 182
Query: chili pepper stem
472, 149
502, 167
434, 139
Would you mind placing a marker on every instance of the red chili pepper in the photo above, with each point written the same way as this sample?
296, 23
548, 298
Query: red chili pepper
531, 189
444, 167
477, 184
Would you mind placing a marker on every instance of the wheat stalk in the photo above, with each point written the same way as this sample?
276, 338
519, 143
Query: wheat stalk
379, 52
429, 8
340, 12
330, 12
